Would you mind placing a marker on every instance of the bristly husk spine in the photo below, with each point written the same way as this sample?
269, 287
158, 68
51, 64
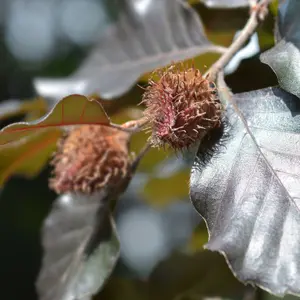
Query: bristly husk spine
182, 106
90, 158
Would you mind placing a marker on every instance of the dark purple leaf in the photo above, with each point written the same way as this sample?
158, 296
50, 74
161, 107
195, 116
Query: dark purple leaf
69, 111
284, 57
247, 190
145, 36
81, 248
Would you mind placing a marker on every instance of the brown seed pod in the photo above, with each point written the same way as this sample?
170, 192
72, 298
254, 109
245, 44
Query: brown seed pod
90, 158
182, 106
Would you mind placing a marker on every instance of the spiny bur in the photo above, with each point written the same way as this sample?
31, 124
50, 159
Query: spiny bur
89, 158
182, 106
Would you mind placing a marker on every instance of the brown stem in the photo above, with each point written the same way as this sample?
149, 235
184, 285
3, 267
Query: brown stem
258, 12
131, 126
226, 94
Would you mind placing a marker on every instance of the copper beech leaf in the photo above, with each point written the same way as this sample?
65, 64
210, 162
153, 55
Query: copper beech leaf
247, 189
284, 57
143, 37
71, 110
80, 243
81, 247
29, 156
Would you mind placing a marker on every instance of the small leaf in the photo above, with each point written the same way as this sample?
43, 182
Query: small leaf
248, 190
71, 110
81, 245
28, 157
226, 3
284, 57
143, 37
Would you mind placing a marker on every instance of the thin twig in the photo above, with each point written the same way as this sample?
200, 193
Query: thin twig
251, 25
132, 126
226, 94
217, 49
136, 124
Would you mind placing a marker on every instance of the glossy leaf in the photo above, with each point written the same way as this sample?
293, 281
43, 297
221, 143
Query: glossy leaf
248, 190
141, 39
284, 57
81, 246
71, 110
226, 3
27, 158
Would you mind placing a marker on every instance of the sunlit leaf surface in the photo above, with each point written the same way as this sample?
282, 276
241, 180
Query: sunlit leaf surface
248, 190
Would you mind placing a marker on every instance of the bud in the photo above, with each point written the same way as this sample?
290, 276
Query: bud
181, 107
89, 158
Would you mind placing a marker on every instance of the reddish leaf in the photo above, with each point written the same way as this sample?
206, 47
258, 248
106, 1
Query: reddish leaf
71, 110
29, 157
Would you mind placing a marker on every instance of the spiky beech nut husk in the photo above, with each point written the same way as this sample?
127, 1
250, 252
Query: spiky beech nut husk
182, 106
89, 158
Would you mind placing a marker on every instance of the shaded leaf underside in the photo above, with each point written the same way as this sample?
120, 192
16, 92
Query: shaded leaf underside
81, 248
138, 41
248, 191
